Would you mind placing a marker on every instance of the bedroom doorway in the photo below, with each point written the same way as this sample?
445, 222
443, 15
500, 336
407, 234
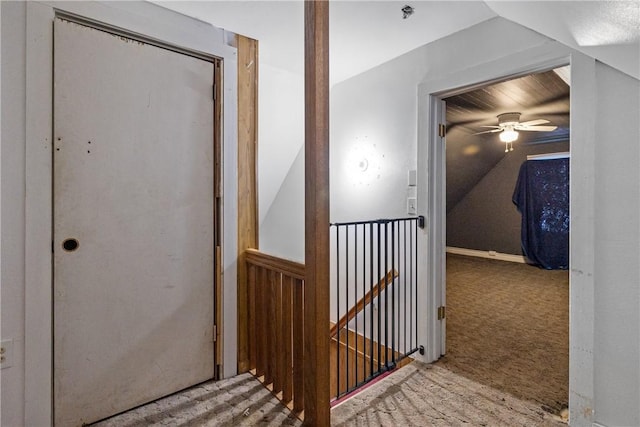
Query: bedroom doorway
507, 322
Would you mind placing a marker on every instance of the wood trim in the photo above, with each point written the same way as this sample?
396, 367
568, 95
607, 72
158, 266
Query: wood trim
252, 316
357, 308
298, 346
316, 291
276, 332
270, 262
287, 338
270, 301
218, 346
247, 181
261, 327
486, 254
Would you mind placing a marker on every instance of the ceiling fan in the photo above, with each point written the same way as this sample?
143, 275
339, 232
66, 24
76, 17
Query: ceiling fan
509, 124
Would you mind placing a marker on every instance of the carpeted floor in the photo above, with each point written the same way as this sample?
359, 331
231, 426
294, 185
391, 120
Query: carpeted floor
238, 401
431, 395
506, 365
507, 357
508, 328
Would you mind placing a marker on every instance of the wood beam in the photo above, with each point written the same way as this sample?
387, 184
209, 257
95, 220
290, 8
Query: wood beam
316, 291
247, 182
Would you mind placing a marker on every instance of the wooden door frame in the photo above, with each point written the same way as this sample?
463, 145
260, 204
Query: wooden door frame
431, 157
248, 228
155, 25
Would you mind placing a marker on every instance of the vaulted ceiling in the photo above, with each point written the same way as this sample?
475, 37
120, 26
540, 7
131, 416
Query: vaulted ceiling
367, 33
471, 155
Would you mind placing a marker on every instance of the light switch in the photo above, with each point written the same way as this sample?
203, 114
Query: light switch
412, 208
413, 178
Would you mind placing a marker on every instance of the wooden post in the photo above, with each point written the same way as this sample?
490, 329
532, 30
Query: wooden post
247, 182
316, 291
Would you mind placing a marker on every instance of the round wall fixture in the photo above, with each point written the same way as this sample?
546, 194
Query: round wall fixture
363, 165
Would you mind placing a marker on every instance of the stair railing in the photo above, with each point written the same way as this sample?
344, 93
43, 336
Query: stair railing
276, 338
376, 312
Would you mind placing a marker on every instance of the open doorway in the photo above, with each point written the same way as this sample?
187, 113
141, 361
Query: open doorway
507, 321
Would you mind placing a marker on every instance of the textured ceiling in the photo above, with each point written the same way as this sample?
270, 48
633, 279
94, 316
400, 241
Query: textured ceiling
606, 30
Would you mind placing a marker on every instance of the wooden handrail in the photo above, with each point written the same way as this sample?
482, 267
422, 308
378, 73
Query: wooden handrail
270, 262
359, 306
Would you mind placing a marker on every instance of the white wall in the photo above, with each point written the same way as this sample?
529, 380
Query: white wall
374, 116
25, 183
12, 181
617, 249
280, 133
380, 105
282, 231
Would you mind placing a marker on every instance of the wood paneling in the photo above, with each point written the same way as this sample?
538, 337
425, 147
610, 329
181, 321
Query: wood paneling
289, 268
261, 326
316, 292
276, 326
217, 218
286, 332
537, 96
251, 315
298, 346
469, 157
247, 180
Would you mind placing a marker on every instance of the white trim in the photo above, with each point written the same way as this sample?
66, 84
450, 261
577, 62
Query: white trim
139, 18
431, 168
582, 240
583, 118
549, 156
487, 254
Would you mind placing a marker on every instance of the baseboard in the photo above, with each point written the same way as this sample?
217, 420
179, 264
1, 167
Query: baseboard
487, 254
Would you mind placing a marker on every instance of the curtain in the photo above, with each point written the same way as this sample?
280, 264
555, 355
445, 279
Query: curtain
542, 198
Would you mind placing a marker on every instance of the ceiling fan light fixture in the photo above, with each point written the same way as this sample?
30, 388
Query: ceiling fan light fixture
508, 135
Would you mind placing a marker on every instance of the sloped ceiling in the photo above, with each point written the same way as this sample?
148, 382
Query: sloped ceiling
606, 30
363, 34
367, 33
471, 156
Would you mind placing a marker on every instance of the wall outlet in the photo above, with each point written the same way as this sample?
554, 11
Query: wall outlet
412, 208
6, 353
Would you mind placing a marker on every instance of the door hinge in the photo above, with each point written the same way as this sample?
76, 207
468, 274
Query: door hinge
442, 312
52, 247
215, 333
442, 130
214, 91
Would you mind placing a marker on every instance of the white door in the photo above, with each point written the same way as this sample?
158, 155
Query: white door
133, 223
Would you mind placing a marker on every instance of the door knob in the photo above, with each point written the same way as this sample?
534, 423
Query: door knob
70, 245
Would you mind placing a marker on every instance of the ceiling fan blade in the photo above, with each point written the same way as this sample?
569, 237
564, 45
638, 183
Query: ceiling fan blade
496, 127
534, 122
537, 128
487, 131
